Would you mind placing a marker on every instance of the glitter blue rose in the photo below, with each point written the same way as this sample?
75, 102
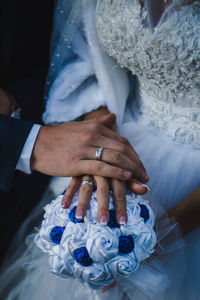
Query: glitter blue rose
126, 244
56, 234
144, 212
112, 219
81, 255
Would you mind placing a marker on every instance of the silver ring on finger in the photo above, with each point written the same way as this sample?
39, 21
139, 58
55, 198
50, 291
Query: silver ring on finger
98, 153
87, 182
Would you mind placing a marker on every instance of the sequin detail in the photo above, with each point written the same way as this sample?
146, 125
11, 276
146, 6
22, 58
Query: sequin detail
166, 63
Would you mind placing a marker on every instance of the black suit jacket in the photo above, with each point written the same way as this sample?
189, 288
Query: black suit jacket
25, 29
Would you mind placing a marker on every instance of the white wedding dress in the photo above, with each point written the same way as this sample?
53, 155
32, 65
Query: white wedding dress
158, 111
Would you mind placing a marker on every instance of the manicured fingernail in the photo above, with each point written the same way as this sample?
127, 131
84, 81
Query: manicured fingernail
122, 220
79, 215
127, 174
64, 204
103, 220
146, 186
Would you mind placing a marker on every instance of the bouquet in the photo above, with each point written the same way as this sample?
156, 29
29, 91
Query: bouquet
96, 254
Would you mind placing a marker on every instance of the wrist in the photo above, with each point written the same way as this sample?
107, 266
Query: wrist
39, 148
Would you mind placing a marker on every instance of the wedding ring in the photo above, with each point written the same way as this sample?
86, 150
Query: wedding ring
87, 182
98, 153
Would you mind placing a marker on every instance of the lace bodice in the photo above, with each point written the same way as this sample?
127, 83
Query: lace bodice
166, 63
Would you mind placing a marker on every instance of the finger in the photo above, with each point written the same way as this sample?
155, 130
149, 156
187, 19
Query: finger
100, 168
118, 188
137, 188
103, 198
117, 159
120, 147
71, 191
84, 198
106, 120
115, 136
97, 131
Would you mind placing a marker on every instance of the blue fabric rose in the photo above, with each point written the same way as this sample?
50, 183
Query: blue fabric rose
144, 212
81, 255
126, 244
56, 234
112, 220
72, 217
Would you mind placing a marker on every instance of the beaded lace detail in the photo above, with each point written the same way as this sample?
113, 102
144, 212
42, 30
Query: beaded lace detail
166, 63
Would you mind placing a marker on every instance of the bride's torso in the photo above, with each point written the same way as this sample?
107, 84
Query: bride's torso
166, 63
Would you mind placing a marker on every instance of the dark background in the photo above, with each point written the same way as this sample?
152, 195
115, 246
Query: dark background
25, 31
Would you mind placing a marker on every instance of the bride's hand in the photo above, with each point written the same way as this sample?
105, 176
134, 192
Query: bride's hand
103, 186
103, 197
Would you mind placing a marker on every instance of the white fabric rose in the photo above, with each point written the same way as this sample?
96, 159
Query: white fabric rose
102, 243
123, 265
42, 239
133, 227
60, 268
144, 244
55, 214
74, 236
95, 276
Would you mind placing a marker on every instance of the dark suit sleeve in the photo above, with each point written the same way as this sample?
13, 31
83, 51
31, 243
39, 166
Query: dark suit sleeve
13, 135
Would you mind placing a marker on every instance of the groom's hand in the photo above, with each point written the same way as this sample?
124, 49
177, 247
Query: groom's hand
69, 149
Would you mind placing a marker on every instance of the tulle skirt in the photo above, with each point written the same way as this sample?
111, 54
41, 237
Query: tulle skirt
174, 172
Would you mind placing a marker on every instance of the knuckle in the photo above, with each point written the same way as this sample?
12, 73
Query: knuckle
102, 211
125, 141
137, 172
116, 156
123, 148
71, 185
114, 172
89, 136
96, 127
99, 167
81, 206
103, 191
120, 197
86, 189
70, 188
